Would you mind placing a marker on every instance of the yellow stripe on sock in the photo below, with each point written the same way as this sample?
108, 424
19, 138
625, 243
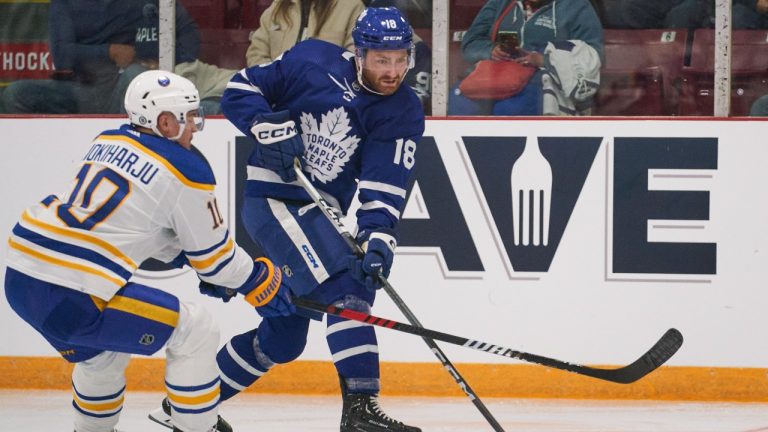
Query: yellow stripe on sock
194, 400
98, 406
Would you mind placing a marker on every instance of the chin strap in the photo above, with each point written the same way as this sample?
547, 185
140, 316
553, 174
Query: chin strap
182, 128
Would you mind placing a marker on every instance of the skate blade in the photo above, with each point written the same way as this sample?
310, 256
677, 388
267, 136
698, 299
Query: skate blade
160, 417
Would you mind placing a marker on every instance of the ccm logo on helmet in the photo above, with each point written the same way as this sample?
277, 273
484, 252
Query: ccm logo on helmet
393, 38
287, 131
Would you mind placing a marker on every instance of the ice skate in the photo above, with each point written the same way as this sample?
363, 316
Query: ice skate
162, 416
361, 413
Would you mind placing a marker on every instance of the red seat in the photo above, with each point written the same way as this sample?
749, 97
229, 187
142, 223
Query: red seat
207, 13
251, 13
224, 47
463, 12
425, 34
638, 72
749, 72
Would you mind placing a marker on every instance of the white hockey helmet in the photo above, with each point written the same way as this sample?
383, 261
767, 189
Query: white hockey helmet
154, 92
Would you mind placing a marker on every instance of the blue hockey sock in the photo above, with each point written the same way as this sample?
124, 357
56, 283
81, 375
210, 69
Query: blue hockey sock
355, 349
241, 363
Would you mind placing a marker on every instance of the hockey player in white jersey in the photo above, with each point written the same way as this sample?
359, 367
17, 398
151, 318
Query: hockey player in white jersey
141, 191
354, 126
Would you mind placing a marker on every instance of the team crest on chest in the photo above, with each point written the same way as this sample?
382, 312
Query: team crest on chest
329, 143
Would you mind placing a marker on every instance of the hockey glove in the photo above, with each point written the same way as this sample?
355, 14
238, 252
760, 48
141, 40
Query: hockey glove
180, 260
279, 143
379, 253
267, 291
217, 291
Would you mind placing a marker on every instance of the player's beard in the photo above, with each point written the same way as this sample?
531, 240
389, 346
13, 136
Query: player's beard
385, 85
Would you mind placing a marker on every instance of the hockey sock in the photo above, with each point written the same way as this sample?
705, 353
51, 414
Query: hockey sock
241, 363
355, 349
98, 391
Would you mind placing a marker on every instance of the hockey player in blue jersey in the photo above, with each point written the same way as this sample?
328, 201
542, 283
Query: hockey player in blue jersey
355, 128
141, 191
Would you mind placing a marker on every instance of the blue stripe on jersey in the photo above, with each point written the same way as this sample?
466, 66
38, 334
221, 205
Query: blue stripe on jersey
96, 398
190, 163
210, 249
221, 265
192, 388
49, 199
72, 250
194, 411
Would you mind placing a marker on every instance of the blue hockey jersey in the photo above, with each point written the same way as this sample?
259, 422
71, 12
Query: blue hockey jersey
353, 138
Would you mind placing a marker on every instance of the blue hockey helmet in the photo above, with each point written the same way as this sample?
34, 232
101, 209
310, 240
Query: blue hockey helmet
382, 29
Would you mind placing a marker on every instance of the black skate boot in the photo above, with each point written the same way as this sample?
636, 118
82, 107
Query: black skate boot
361, 413
162, 416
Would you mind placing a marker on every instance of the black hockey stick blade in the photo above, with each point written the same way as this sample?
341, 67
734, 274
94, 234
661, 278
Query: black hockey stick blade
662, 351
659, 353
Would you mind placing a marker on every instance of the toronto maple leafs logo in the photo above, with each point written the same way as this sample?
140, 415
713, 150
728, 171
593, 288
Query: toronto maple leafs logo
329, 144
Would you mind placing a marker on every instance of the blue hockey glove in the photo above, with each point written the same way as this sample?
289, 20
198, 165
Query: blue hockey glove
220, 292
279, 143
379, 253
267, 291
180, 260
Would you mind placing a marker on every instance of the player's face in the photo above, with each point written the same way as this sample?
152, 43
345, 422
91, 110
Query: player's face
191, 126
189, 129
385, 70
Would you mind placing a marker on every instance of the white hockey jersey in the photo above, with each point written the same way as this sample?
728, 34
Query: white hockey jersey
135, 196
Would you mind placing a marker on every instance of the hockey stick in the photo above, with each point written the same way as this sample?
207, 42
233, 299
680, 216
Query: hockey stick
665, 348
333, 217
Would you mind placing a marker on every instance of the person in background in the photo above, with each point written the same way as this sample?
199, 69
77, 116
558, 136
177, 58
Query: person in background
562, 38
141, 191
210, 80
91, 42
692, 14
287, 22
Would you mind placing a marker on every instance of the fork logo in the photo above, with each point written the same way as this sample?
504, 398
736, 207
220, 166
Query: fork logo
527, 188
530, 211
531, 196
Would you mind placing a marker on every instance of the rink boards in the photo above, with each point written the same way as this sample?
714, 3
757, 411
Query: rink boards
651, 224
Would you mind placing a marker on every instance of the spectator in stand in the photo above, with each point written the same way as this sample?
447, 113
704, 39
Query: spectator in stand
610, 13
419, 78
747, 14
562, 39
91, 42
286, 22
210, 80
